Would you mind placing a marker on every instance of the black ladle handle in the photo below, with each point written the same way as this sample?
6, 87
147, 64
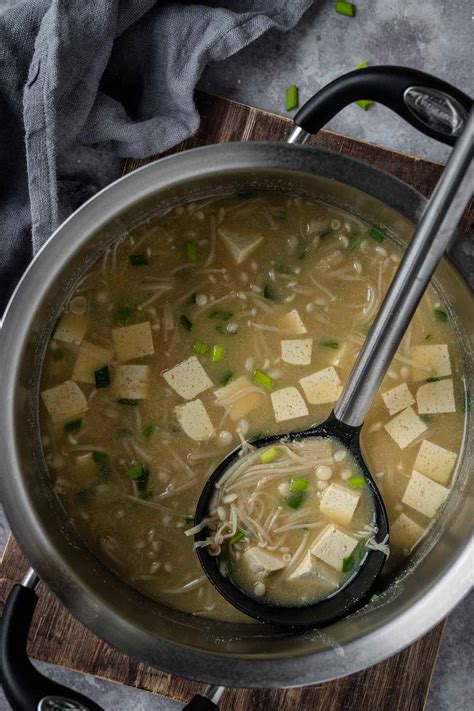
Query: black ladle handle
431, 105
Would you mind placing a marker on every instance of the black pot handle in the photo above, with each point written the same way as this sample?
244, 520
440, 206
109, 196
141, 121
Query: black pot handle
200, 703
431, 105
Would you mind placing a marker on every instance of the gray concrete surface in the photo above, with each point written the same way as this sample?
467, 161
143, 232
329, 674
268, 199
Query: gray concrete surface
433, 36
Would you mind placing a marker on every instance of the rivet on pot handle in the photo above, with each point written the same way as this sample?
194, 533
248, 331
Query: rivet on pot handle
431, 105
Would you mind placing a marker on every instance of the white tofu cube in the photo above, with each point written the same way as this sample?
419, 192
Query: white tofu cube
90, 358
288, 404
405, 427
404, 532
424, 495
240, 242
316, 571
71, 328
339, 503
322, 387
193, 418
333, 545
65, 402
435, 461
131, 382
433, 360
260, 562
239, 397
398, 398
134, 341
188, 378
297, 351
435, 398
292, 323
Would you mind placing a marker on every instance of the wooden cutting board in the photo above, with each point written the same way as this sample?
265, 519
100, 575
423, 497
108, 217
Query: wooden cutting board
402, 682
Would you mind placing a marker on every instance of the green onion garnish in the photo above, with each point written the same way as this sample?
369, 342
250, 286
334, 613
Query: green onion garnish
125, 310
186, 323
374, 597
329, 344
99, 457
140, 476
102, 377
262, 379
191, 252
127, 401
269, 293
364, 103
291, 98
299, 484
200, 347
73, 425
136, 471
236, 537
441, 315
226, 377
296, 500
221, 315
355, 241
345, 8
356, 482
217, 353
57, 354
362, 65
138, 260
376, 234
269, 455
426, 418
347, 564
148, 430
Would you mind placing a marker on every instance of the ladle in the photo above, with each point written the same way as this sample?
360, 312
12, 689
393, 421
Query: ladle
428, 244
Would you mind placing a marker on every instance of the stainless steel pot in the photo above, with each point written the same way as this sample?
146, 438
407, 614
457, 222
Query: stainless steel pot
425, 589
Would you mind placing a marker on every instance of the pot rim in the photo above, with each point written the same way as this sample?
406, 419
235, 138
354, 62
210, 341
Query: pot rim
387, 638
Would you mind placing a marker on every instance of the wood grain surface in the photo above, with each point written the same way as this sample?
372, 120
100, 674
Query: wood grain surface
400, 683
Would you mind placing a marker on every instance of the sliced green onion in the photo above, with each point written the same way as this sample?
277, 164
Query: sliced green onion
138, 260
192, 298
374, 597
426, 418
299, 484
262, 379
236, 537
376, 234
347, 564
191, 252
200, 347
136, 471
362, 65
356, 482
125, 310
269, 293
102, 377
217, 353
330, 344
127, 401
73, 425
291, 98
226, 377
355, 241
441, 315
221, 315
345, 8
148, 430
269, 455
186, 323
364, 103
296, 500
57, 354
99, 457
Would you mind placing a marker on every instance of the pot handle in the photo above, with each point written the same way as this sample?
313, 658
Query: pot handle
24, 687
431, 105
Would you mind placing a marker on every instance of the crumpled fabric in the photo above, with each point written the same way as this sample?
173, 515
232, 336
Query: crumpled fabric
109, 75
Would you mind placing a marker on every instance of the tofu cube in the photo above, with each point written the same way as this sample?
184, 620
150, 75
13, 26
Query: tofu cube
71, 328
322, 387
65, 402
240, 242
405, 427
131, 382
239, 398
339, 503
316, 571
188, 378
297, 351
435, 398
193, 418
424, 495
260, 562
134, 341
433, 360
292, 323
435, 461
288, 404
90, 358
398, 398
404, 532
333, 545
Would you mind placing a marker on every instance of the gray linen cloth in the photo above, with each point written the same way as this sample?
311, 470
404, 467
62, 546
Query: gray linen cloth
113, 75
